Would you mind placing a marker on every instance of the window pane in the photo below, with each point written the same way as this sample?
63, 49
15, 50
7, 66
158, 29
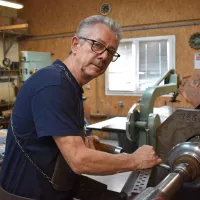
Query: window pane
142, 63
120, 73
153, 62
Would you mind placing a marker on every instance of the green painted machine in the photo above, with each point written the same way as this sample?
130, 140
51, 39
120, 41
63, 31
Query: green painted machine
31, 61
141, 124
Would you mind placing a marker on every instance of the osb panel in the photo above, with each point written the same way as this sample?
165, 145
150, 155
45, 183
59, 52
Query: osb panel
135, 12
47, 17
58, 47
51, 17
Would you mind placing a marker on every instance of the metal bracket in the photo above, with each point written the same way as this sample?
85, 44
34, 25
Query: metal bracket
7, 48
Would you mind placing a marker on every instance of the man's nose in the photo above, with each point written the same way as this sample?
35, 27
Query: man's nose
105, 55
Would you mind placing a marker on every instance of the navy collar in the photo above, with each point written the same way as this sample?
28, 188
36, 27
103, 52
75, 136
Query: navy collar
58, 62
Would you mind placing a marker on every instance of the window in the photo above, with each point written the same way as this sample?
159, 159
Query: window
142, 63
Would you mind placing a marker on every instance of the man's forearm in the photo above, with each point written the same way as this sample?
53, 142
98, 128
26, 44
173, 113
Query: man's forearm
101, 163
84, 160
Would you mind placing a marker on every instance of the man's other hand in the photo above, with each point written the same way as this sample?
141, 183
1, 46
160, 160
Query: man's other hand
145, 157
90, 140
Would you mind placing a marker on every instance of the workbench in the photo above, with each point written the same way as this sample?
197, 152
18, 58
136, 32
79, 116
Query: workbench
116, 124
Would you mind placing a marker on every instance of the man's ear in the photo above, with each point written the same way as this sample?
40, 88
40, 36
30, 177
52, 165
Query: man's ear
75, 44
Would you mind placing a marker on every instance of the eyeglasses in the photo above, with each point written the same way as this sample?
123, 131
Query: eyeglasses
99, 48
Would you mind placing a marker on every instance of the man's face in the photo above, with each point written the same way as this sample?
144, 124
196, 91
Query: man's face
90, 63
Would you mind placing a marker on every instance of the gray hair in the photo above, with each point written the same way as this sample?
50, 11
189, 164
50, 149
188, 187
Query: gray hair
85, 25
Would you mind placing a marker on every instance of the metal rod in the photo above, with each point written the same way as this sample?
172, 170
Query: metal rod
147, 136
159, 26
170, 184
164, 166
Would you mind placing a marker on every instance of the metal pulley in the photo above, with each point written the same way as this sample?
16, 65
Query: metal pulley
141, 131
131, 129
189, 154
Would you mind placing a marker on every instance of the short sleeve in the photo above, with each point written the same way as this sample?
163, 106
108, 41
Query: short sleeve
56, 111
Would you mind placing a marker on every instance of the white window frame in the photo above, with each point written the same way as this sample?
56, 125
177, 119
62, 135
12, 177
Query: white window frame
135, 57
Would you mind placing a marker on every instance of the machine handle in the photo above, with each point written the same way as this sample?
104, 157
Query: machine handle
108, 148
164, 166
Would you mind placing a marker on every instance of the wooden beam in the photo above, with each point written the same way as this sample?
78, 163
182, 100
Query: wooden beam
13, 27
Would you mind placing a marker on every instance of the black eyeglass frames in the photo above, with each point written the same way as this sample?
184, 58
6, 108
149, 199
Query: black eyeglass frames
99, 48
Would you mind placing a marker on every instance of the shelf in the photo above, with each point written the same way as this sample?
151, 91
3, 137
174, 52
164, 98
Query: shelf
8, 75
15, 32
4, 122
14, 27
19, 28
9, 70
6, 80
6, 105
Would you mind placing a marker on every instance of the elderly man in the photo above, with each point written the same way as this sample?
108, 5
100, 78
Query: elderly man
46, 151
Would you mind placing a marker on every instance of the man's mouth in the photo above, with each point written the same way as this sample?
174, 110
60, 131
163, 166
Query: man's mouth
99, 64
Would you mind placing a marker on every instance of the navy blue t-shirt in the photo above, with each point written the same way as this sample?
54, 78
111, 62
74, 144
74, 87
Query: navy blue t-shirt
48, 104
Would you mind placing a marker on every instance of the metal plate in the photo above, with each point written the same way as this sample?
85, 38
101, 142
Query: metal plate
141, 181
180, 127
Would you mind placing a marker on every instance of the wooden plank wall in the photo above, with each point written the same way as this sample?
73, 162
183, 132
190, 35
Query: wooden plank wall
50, 17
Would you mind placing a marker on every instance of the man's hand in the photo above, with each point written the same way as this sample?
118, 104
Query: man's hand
90, 140
145, 157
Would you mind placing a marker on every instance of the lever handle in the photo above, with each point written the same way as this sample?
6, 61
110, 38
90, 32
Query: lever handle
164, 166
108, 148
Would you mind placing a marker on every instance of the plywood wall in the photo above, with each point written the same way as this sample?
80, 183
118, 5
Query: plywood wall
49, 17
